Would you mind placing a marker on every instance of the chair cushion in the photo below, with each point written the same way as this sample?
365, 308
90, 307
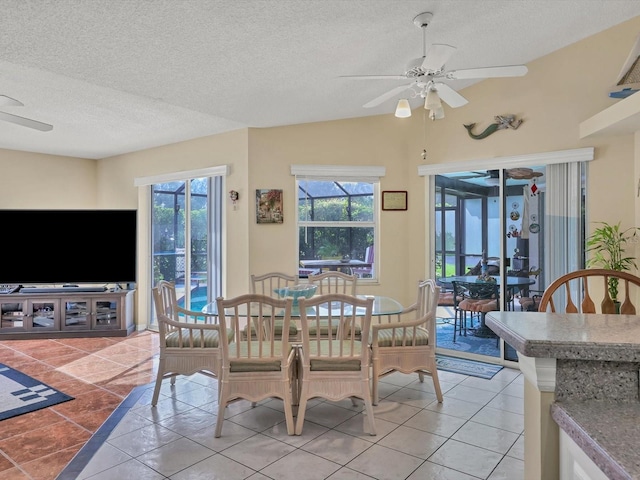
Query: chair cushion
445, 299
337, 364
484, 306
467, 304
210, 338
257, 366
385, 337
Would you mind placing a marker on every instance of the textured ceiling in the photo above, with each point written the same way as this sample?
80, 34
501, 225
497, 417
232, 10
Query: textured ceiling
116, 76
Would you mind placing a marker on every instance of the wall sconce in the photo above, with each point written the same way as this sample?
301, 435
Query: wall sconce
403, 110
234, 196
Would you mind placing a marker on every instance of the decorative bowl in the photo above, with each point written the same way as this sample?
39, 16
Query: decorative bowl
303, 290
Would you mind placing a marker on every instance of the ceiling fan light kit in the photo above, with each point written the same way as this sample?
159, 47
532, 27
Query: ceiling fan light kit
432, 100
403, 109
436, 113
426, 72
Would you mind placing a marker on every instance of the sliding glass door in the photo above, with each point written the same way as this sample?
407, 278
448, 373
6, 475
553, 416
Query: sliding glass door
186, 238
503, 226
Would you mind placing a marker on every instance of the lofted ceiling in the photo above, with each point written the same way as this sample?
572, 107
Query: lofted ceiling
117, 76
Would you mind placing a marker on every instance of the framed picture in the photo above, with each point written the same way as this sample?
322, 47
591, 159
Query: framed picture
394, 200
269, 206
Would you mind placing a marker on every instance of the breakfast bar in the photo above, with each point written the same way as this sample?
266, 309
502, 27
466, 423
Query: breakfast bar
582, 410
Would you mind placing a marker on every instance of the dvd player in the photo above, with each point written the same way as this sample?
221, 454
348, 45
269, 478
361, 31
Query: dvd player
62, 289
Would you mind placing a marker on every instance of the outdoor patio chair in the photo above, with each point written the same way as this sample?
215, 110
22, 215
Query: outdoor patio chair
365, 272
478, 298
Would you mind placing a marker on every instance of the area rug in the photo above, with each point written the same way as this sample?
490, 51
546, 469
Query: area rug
468, 344
467, 367
20, 394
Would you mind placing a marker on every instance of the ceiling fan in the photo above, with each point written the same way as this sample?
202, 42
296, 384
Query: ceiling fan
18, 120
426, 72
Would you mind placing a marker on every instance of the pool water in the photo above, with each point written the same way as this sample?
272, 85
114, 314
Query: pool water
198, 299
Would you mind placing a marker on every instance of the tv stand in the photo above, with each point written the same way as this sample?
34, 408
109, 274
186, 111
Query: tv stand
63, 289
66, 312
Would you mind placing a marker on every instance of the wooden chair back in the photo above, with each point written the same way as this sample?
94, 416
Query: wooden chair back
590, 285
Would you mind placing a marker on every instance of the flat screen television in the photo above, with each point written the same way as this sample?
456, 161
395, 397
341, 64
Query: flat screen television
51, 247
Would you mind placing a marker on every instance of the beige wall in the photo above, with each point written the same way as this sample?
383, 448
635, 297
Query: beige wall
33, 180
560, 91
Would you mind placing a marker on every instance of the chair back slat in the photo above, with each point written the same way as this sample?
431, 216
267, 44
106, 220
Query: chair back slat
262, 311
334, 282
586, 283
269, 283
353, 316
627, 307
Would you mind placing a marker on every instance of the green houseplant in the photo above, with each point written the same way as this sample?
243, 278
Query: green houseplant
608, 244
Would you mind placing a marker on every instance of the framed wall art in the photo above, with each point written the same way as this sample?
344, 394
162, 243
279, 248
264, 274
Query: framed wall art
269, 206
394, 200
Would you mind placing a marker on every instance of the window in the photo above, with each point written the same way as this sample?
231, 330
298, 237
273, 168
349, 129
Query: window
337, 222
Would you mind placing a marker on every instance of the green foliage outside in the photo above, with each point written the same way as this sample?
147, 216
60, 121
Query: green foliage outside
335, 242
168, 235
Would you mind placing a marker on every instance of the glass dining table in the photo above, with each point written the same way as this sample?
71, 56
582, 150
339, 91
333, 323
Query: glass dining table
382, 305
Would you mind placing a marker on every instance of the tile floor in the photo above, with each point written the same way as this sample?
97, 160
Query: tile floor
475, 433
98, 372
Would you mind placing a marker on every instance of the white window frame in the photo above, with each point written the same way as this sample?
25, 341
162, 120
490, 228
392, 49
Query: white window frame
344, 173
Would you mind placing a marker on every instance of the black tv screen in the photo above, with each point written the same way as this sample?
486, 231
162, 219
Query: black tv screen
51, 247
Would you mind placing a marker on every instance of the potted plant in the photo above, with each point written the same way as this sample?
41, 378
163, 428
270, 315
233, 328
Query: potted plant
608, 244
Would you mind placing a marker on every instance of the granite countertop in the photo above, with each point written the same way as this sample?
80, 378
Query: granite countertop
569, 336
598, 358
608, 432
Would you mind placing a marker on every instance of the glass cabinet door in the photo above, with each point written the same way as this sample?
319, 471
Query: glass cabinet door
76, 315
106, 313
44, 314
12, 315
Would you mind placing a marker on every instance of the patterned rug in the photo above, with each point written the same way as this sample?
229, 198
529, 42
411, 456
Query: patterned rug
467, 367
19, 393
469, 343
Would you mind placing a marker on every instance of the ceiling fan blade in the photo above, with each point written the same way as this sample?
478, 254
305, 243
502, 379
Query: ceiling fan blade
450, 96
488, 72
473, 175
375, 77
386, 96
10, 102
437, 56
25, 122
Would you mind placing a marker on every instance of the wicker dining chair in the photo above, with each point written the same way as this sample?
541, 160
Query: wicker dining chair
406, 342
189, 340
269, 284
335, 367
335, 282
256, 368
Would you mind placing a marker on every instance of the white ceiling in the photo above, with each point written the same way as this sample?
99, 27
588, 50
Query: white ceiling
116, 76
